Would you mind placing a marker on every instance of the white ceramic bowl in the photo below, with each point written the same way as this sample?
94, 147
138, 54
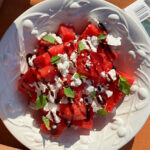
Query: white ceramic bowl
134, 58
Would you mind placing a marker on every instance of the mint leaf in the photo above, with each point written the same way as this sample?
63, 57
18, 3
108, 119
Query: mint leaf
55, 59
81, 46
124, 85
46, 122
40, 101
93, 94
82, 76
102, 112
50, 39
101, 36
69, 92
29, 93
77, 75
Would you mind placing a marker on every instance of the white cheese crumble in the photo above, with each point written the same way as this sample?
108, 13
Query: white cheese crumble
112, 74
73, 57
63, 65
88, 63
81, 99
39, 88
95, 105
30, 60
93, 48
103, 75
41, 35
76, 81
54, 89
111, 40
109, 93
52, 108
90, 89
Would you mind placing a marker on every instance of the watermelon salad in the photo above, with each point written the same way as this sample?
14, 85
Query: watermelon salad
71, 78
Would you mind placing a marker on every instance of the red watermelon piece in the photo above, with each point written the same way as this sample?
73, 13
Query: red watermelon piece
66, 32
91, 30
42, 60
58, 49
46, 73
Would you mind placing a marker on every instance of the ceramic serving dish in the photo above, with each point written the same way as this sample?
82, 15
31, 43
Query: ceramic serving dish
109, 133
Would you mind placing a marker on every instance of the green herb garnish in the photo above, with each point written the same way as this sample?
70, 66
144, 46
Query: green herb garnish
46, 122
102, 112
69, 92
55, 59
124, 85
101, 36
77, 75
81, 46
40, 101
50, 39
93, 94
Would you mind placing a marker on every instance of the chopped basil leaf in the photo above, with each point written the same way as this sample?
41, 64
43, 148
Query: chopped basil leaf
101, 36
124, 85
77, 75
40, 101
81, 46
93, 94
29, 93
46, 122
102, 112
55, 59
50, 39
82, 76
69, 92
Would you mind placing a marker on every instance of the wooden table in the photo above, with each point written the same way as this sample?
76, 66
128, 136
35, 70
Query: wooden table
10, 10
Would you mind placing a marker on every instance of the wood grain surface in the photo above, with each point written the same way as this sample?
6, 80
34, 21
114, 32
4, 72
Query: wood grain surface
9, 11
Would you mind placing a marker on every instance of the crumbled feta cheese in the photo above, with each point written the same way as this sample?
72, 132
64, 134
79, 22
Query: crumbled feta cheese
88, 57
90, 89
41, 35
93, 48
73, 57
95, 41
53, 108
30, 60
88, 63
111, 40
57, 38
76, 81
81, 99
112, 74
103, 75
109, 93
63, 65
39, 88
95, 105
54, 126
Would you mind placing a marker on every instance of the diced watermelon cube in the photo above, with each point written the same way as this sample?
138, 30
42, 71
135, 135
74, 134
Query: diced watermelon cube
46, 73
91, 30
42, 60
58, 49
66, 32
75, 111
87, 124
